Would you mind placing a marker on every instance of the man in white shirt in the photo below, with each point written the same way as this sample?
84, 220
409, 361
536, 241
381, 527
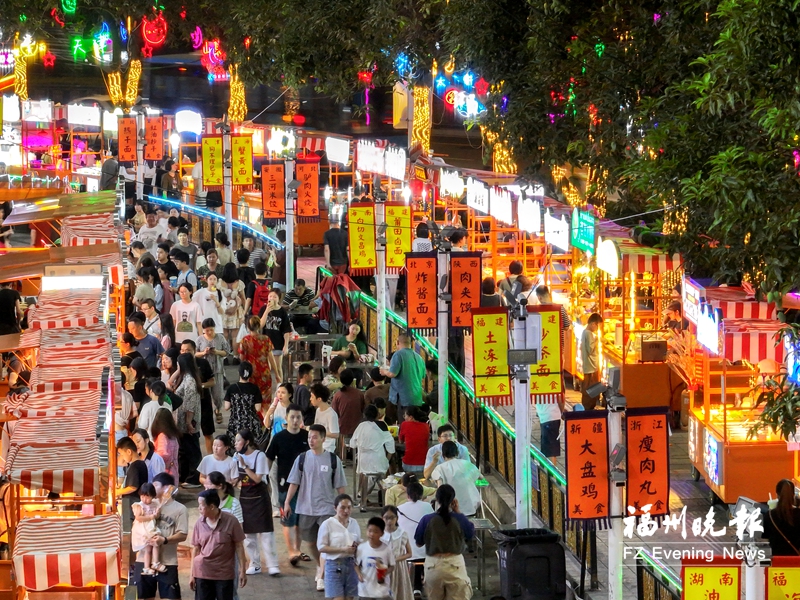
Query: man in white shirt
372, 445
434, 457
325, 416
462, 475
151, 233
152, 322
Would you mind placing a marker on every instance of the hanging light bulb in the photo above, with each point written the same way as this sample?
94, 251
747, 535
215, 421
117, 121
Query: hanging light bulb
407, 194
174, 141
328, 193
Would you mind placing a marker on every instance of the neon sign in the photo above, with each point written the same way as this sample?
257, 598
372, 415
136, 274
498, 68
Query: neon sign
608, 257
529, 213
197, 38
709, 321
69, 6
500, 205
692, 297
154, 33
103, 46
451, 184
213, 59
556, 231
583, 224
338, 150
477, 195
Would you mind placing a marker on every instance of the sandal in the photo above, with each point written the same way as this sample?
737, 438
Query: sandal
295, 559
219, 418
160, 567
305, 557
148, 572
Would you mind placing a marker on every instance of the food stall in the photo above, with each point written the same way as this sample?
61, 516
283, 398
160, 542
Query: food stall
630, 286
728, 352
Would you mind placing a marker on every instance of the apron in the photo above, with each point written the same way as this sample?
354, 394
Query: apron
256, 505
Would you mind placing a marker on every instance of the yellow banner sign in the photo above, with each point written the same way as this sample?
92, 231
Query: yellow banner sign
490, 354
398, 235
546, 381
783, 583
242, 156
363, 257
705, 582
212, 160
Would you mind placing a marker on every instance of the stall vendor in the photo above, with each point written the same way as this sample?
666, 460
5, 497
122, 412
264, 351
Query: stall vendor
675, 319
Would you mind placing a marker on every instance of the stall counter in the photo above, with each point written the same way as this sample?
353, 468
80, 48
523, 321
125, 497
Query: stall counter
738, 466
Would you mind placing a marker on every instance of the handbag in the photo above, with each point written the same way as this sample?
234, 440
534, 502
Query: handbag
783, 535
263, 439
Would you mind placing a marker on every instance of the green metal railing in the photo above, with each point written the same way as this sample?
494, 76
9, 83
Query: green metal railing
469, 416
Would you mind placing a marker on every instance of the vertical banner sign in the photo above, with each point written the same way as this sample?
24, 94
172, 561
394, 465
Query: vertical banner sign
547, 385
648, 461
308, 192
242, 151
421, 287
465, 287
361, 231
490, 355
154, 138
212, 160
783, 578
719, 579
126, 128
586, 459
398, 235
273, 191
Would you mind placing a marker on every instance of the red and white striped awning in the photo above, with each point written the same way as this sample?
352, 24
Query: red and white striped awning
735, 304
752, 340
38, 404
54, 429
75, 355
312, 143
647, 261
70, 468
75, 552
94, 335
54, 379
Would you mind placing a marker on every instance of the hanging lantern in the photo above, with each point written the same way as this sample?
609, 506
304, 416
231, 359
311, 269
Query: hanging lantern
237, 108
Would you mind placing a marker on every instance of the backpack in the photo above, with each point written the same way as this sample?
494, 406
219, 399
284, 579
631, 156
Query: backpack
260, 297
334, 463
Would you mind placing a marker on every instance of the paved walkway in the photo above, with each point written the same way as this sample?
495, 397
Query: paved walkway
297, 583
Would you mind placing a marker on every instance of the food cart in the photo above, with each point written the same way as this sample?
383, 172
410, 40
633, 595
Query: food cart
630, 286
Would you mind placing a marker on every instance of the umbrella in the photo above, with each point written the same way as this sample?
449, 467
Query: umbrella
340, 301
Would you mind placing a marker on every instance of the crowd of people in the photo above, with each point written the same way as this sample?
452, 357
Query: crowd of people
282, 456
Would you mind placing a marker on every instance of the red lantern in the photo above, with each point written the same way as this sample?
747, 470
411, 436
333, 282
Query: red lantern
154, 33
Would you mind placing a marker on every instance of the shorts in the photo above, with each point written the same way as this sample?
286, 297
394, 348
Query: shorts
214, 589
551, 447
166, 583
413, 468
277, 353
340, 578
293, 519
309, 527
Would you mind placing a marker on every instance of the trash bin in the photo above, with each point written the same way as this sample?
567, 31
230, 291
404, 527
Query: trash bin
532, 564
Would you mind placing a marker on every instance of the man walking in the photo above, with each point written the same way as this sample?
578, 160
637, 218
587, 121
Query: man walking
286, 446
149, 346
317, 477
173, 527
406, 370
217, 539
336, 249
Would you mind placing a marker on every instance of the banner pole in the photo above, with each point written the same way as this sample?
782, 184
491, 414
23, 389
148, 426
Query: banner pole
380, 280
522, 423
616, 513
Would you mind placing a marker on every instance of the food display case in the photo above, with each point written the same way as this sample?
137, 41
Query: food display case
733, 357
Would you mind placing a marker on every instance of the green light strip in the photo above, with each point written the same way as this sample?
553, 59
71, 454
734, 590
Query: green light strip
467, 389
662, 570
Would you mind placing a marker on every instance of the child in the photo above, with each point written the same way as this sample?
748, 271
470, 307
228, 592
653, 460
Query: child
374, 563
145, 513
397, 540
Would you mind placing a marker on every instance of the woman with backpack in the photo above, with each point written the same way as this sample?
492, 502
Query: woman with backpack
256, 348
256, 505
